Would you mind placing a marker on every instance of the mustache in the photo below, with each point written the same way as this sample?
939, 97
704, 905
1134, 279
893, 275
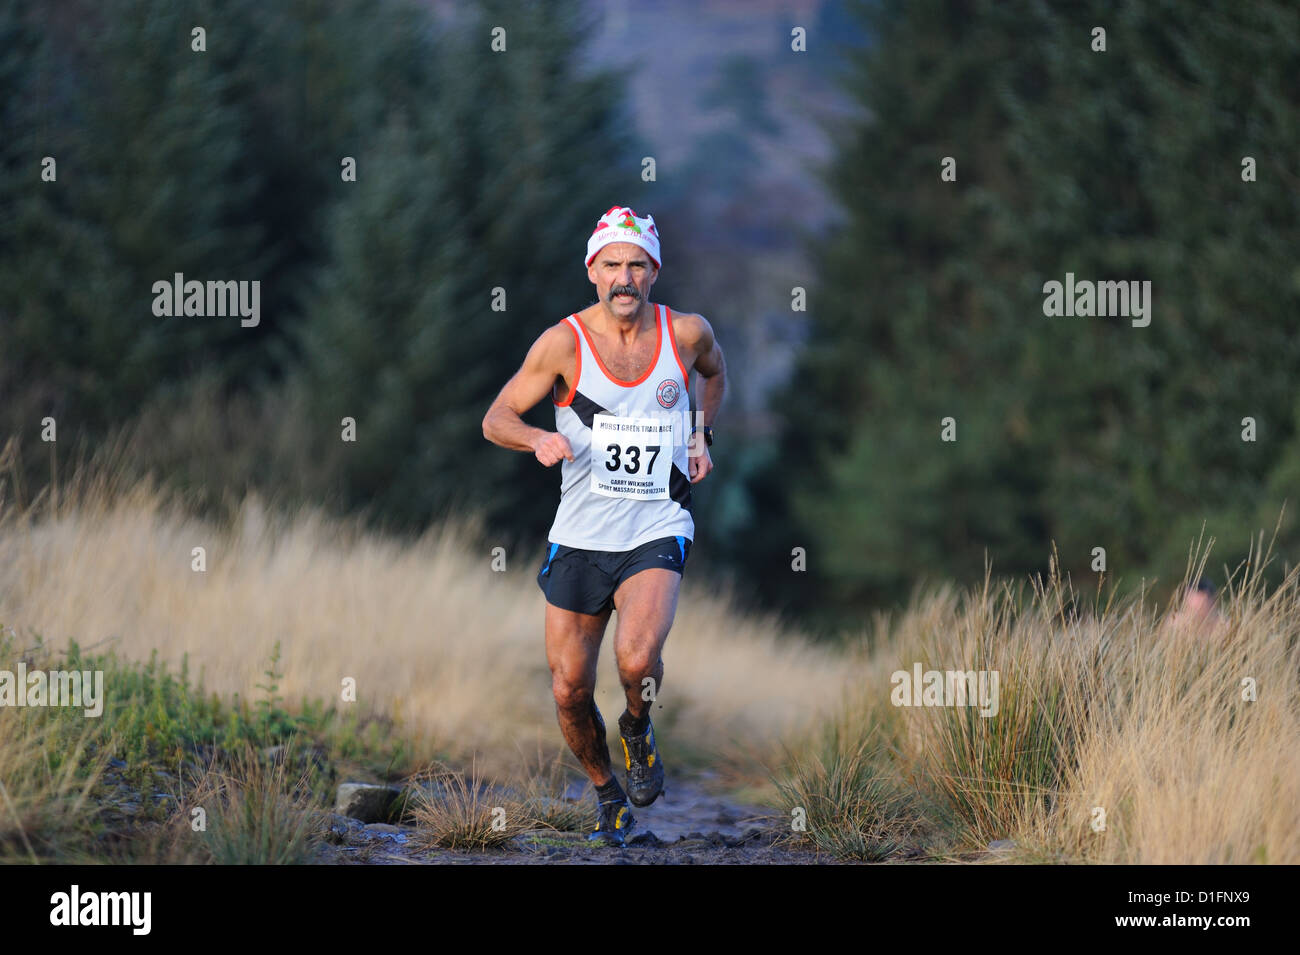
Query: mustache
623, 290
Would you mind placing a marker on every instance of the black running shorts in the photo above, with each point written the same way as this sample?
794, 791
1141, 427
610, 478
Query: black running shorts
584, 581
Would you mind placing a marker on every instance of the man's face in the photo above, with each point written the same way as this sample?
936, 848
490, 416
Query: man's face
1199, 604
623, 274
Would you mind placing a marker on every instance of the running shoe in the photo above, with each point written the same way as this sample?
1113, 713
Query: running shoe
613, 822
645, 770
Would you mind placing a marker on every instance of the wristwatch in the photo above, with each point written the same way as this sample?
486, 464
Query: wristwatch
708, 434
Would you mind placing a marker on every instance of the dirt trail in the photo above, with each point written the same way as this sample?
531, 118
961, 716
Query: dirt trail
690, 825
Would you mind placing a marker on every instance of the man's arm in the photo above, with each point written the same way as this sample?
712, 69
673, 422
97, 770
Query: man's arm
697, 334
712, 368
531, 383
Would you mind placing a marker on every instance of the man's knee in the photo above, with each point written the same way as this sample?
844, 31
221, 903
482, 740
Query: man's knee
572, 696
638, 662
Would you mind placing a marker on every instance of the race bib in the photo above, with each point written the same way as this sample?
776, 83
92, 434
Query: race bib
631, 457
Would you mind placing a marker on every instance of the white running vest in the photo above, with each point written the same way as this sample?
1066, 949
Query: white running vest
628, 482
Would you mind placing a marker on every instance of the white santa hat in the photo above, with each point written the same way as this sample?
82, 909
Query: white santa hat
621, 224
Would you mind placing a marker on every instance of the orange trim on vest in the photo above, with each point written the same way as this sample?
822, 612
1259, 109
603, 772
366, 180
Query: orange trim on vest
673, 339
577, 375
659, 341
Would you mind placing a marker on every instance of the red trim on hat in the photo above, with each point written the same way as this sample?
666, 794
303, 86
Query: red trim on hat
591, 258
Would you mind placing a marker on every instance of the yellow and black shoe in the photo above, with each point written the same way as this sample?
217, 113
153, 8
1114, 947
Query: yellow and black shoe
645, 770
614, 821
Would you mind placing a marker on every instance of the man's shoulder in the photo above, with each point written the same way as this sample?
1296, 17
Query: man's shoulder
559, 337
688, 327
554, 347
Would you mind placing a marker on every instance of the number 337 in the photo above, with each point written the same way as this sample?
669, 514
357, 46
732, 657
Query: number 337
633, 452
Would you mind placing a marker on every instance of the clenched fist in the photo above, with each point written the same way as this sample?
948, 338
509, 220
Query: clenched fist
551, 447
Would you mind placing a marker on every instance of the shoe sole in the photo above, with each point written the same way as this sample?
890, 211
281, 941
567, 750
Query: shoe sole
641, 805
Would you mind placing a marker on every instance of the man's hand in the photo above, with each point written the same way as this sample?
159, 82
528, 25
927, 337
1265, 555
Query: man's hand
551, 447
698, 456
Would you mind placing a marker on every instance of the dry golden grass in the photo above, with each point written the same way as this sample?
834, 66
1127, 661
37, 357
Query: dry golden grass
544, 798
433, 637
455, 811
1117, 706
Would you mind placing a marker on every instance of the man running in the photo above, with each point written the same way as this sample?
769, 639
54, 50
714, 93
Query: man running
617, 373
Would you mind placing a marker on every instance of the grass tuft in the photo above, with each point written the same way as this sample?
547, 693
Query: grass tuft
455, 811
258, 812
839, 800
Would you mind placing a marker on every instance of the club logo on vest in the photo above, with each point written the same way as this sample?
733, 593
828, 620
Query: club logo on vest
667, 392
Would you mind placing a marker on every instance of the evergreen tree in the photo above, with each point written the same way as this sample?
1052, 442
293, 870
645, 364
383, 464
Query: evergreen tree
147, 186
494, 183
1122, 165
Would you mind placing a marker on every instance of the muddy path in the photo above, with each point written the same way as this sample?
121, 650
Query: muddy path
694, 823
